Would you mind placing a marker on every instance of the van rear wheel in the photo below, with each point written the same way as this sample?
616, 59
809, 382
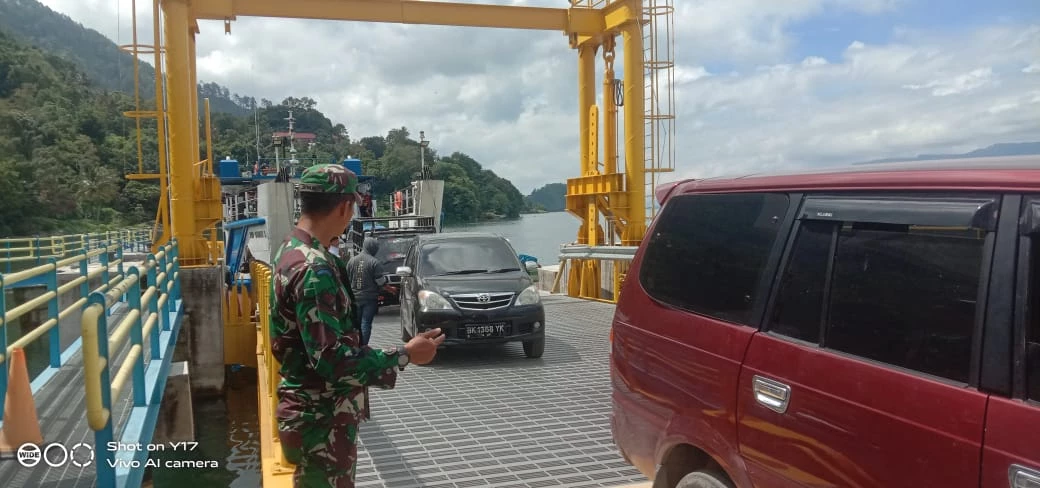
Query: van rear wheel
704, 479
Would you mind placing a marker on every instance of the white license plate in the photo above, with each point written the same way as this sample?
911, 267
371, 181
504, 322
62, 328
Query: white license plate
485, 330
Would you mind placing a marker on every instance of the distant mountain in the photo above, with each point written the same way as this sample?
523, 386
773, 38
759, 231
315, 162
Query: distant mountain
550, 198
97, 56
1004, 149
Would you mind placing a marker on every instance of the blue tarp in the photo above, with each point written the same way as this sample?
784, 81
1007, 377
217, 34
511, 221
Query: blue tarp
524, 259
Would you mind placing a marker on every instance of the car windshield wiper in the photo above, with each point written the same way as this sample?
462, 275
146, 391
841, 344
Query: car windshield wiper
463, 271
503, 270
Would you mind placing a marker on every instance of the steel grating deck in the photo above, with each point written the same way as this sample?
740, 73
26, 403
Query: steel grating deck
493, 418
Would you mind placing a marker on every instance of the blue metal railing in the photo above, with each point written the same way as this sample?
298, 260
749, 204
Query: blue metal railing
154, 312
20, 253
46, 276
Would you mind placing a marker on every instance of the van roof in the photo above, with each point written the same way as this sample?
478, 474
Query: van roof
1012, 173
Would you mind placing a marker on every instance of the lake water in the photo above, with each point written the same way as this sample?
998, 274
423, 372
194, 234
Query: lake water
226, 428
538, 235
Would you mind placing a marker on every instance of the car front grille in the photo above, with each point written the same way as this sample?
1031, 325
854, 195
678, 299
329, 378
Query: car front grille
482, 301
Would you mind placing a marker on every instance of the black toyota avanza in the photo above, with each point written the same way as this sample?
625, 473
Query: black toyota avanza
474, 288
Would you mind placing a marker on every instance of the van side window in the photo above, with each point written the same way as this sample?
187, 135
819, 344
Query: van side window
906, 296
1033, 324
895, 293
708, 252
798, 308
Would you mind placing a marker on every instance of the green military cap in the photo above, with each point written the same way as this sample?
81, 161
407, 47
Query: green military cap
329, 178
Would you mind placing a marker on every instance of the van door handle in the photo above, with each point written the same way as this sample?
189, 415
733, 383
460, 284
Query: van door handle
773, 394
1023, 477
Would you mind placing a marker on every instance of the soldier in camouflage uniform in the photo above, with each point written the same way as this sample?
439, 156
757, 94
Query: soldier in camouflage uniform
314, 335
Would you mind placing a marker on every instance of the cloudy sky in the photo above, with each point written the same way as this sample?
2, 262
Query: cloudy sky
759, 84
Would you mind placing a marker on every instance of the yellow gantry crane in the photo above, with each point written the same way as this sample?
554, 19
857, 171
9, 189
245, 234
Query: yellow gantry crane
614, 205
601, 196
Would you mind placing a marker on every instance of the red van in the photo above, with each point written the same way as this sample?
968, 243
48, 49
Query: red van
877, 326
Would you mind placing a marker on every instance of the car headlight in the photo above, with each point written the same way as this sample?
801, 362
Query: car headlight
429, 300
529, 296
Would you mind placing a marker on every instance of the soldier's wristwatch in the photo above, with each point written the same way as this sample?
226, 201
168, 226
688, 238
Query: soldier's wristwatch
402, 358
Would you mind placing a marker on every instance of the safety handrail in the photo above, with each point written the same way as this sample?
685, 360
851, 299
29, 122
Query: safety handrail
583, 269
52, 299
146, 308
149, 313
261, 275
34, 251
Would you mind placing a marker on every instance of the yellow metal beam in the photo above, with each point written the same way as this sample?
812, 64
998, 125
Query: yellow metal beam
586, 100
635, 151
609, 110
580, 21
621, 13
179, 90
194, 92
209, 140
163, 211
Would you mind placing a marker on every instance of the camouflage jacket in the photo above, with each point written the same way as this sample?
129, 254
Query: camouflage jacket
314, 333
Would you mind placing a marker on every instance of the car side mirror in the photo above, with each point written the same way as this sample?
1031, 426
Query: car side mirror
404, 271
531, 265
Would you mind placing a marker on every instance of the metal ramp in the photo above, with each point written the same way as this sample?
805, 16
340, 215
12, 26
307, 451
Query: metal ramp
493, 418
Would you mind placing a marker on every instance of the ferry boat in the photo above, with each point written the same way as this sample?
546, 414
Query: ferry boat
262, 206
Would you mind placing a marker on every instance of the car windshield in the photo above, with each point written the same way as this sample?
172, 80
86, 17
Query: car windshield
467, 256
392, 249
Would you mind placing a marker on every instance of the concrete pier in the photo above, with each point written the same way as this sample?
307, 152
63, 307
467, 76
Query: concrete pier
201, 342
176, 418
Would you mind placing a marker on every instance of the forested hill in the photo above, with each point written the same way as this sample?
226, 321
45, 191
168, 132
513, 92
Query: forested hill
549, 198
96, 56
65, 148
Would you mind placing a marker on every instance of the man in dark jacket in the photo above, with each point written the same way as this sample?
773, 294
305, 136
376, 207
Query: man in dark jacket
366, 277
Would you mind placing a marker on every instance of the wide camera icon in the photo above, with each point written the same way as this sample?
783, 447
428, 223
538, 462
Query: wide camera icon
29, 455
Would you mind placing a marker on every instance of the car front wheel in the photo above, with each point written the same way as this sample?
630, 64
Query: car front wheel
534, 348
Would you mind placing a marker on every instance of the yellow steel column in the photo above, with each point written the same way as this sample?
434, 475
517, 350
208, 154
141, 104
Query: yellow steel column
586, 107
178, 92
196, 152
590, 272
209, 171
586, 99
209, 138
160, 120
609, 109
634, 133
137, 86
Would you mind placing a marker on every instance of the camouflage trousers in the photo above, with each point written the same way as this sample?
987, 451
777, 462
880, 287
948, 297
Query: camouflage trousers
320, 438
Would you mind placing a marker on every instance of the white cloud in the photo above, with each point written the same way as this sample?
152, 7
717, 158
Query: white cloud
973, 94
508, 98
961, 83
